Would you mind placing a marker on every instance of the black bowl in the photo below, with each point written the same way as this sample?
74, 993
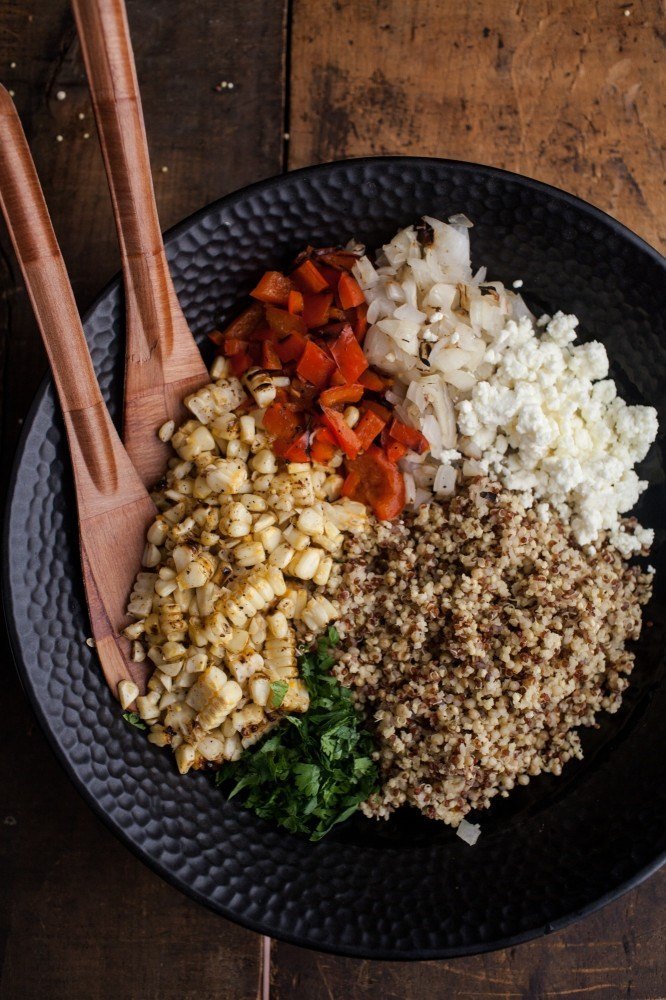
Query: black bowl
408, 888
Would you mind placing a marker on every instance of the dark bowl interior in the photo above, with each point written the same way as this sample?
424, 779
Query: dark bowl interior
407, 888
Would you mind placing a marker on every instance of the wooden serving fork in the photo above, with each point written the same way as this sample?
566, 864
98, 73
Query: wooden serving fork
162, 361
114, 508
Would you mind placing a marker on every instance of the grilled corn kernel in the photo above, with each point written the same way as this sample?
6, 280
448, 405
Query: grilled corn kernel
228, 393
259, 687
280, 653
333, 487
227, 475
261, 386
134, 630
307, 563
185, 757
296, 698
257, 630
211, 749
254, 503
297, 539
261, 483
138, 653
247, 429
237, 641
310, 521
270, 538
220, 706
171, 669
278, 625
264, 462
208, 686
158, 531
282, 555
243, 665
250, 554
323, 571
196, 662
127, 692
219, 367
318, 613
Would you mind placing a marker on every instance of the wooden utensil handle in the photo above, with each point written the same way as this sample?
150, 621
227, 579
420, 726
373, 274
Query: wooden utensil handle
101, 466
42, 265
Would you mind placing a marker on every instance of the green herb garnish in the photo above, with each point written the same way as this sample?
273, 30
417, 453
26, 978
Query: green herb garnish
134, 719
315, 770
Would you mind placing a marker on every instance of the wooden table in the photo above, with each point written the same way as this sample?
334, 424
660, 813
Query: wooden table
235, 91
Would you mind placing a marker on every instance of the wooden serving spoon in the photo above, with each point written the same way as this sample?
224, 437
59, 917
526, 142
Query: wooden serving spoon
162, 361
113, 506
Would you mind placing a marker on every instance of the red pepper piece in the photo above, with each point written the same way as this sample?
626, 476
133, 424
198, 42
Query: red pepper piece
395, 450
408, 435
284, 323
273, 287
291, 349
316, 309
377, 482
323, 446
342, 433
349, 292
233, 346
270, 359
282, 421
343, 260
242, 326
337, 378
240, 363
309, 278
330, 274
368, 427
372, 381
341, 394
315, 366
297, 451
348, 355
382, 412
360, 324
295, 302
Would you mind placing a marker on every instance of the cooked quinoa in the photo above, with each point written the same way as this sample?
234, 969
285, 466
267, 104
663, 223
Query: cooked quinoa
476, 638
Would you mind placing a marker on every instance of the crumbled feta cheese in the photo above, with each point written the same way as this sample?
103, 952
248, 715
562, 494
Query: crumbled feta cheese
551, 426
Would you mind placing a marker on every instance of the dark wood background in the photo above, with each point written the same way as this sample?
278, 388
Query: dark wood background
567, 91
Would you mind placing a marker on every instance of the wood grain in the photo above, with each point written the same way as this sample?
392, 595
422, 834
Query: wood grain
80, 917
162, 361
565, 91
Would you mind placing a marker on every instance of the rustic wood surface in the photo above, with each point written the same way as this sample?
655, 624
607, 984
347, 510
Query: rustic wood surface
567, 91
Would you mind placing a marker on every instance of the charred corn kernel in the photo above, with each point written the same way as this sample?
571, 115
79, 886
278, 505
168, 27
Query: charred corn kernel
201, 490
307, 563
347, 515
296, 698
155, 686
138, 653
208, 685
211, 749
261, 483
257, 630
196, 662
247, 719
310, 521
140, 607
281, 556
280, 653
182, 599
165, 433
259, 442
287, 606
236, 520
174, 514
227, 728
260, 384
158, 737
264, 521
134, 630
184, 531
166, 573
323, 571
226, 428
217, 628
219, 707
243, 665
333, 487
200, 440
302, 489
250, 554
227, 475
219, 367
238, 640
179, 718
185, 757
202, 405
278, 625
336, 460
127, 692
351, 415
180, 471
264, 462
236, 449
233, 748
155, 654
209, 538
152, 626
165, 587
254, 503
168, 699
259, 687
198, 571
172, 651
171, 669
147, 708
297, 539
158, 531
270, 538
196, 631
247, 429
164, 678
318, 613
233, 611
206, 597
183, 555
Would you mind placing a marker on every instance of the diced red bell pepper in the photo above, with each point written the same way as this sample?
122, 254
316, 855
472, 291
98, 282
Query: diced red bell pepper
395, 450
240, 363
341, 394
295, 302
377, 482
316, 309
233, 346
372, 381
242, 326
282, 421
360, 324
408, 435
330, 274
349, 292
337, 378
341, 431
291, 348
264, 333
298, 449
348, 355
273, 287
284, 323
315, 366
309, 278
382, 412
343, 260
323, 446
368, 427
270, 359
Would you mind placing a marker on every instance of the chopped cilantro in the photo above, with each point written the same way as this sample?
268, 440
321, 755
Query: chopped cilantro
317, 768
134, 719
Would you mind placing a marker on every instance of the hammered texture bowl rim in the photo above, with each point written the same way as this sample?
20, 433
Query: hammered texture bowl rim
163, 870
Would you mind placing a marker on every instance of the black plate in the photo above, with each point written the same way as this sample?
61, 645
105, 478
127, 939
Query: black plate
407, 888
